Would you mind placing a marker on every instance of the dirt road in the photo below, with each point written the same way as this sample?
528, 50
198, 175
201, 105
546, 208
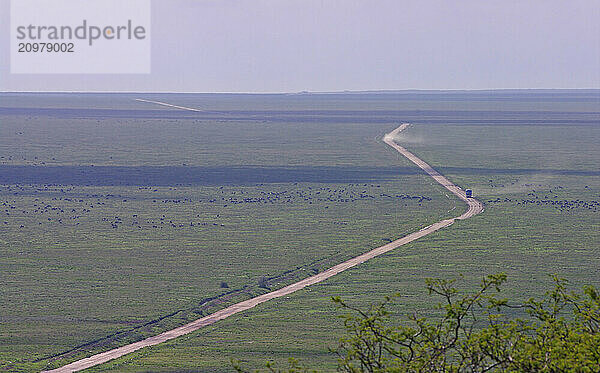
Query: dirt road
475, 207
169, 105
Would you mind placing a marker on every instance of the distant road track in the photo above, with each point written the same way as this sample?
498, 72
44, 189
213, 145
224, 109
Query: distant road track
169, 105
474, 208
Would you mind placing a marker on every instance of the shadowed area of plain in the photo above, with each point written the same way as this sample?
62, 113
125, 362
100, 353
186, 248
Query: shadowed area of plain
184, 175
242, 175
486, 117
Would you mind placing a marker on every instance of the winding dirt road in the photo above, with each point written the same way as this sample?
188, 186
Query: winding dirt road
475, 207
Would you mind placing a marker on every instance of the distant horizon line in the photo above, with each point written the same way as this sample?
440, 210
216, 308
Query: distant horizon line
382, 91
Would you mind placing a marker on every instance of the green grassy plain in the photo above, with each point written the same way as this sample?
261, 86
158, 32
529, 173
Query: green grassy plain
556, 231
68, 284
96, 261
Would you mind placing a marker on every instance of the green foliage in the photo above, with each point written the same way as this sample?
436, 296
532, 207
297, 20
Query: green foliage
474, 332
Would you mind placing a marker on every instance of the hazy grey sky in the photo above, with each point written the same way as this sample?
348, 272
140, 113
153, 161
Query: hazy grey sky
331, 45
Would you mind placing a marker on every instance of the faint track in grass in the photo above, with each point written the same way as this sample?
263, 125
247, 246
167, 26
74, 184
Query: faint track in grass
474, 207
169, 105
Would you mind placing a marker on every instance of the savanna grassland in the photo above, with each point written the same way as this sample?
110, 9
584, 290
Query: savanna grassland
119, 223
121, 219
